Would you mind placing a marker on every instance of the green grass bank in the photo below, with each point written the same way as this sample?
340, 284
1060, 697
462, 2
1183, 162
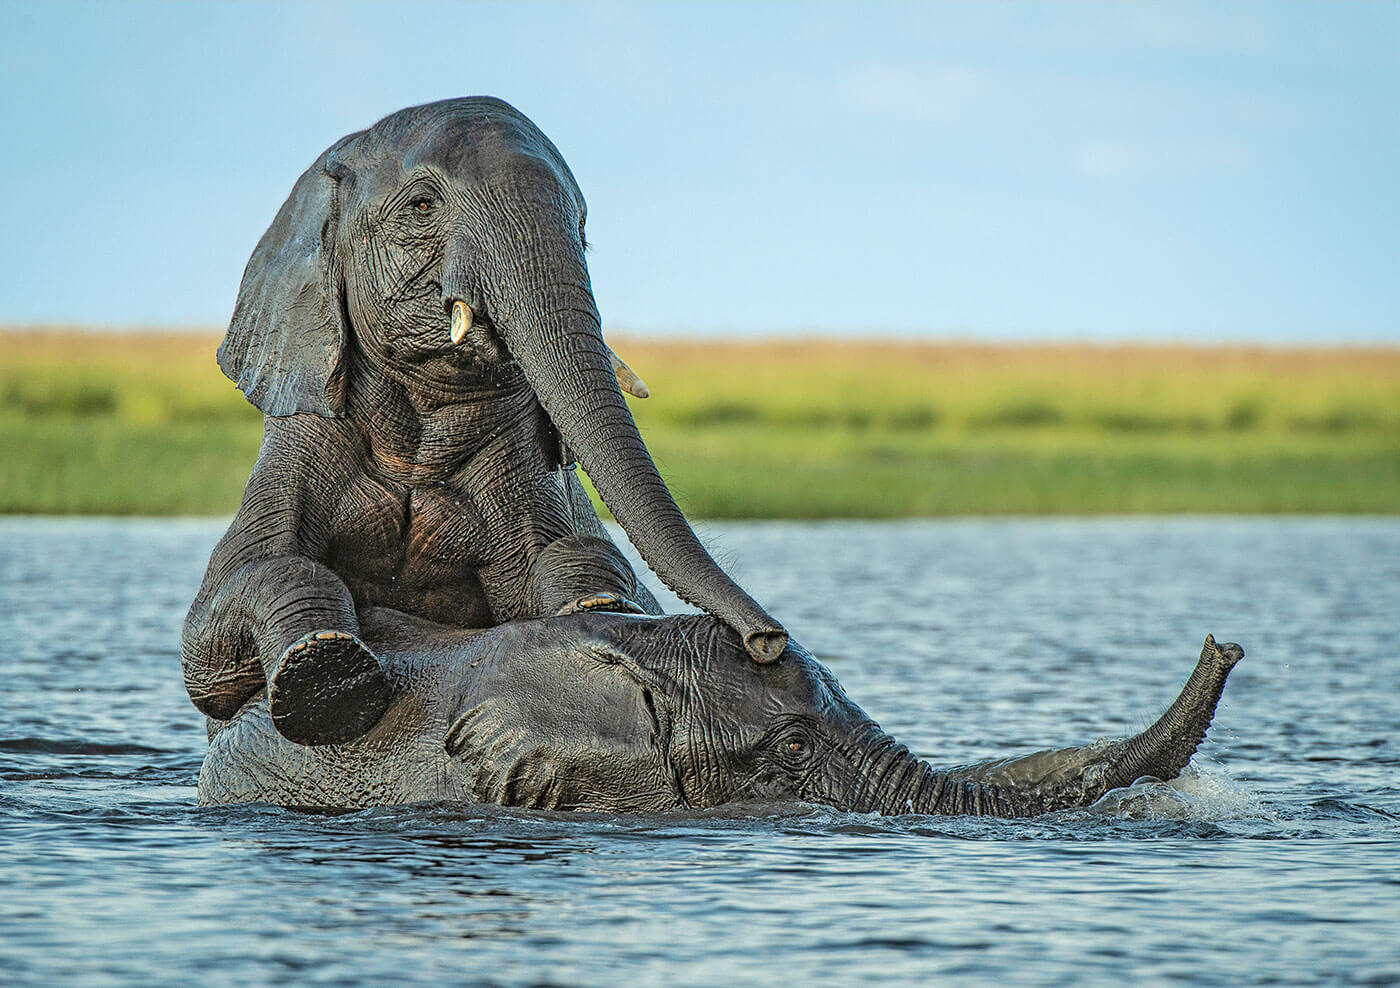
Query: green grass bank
120, 423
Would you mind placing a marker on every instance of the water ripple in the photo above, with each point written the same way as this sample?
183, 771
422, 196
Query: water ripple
1272, 861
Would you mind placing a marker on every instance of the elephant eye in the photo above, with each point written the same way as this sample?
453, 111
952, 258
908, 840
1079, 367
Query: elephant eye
422, 205
792, 748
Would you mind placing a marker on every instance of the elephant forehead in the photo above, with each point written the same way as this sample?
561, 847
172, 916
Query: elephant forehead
476, 139
725, 675
808, 685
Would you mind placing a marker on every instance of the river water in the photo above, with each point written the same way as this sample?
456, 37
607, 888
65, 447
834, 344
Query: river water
1276, 861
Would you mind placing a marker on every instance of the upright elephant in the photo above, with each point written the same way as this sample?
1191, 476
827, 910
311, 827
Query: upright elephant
619, 713
418, 327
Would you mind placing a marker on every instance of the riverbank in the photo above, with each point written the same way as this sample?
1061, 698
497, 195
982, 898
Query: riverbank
120, 423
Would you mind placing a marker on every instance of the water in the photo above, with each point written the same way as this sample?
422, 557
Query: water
1277, 861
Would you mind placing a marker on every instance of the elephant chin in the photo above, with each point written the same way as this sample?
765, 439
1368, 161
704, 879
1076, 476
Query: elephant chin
558, 343
896, 782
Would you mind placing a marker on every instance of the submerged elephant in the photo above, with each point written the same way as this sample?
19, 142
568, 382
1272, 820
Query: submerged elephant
418, 327
620, 713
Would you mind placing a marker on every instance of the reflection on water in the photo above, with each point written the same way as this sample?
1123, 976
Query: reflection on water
1273, 860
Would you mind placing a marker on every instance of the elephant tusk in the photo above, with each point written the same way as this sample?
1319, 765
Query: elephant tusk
626, 378
462, 317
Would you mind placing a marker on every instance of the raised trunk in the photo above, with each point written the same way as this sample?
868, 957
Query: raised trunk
896, 782
556, 338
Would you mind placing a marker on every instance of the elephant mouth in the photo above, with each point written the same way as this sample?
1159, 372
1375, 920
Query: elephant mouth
473, 333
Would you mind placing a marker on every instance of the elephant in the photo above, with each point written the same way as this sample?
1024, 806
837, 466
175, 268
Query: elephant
621, 713
418, 327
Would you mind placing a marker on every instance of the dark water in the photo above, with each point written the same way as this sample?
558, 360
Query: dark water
1278, 862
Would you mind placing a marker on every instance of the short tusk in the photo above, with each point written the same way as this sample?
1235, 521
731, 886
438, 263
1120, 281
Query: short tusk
462, 317
626, 379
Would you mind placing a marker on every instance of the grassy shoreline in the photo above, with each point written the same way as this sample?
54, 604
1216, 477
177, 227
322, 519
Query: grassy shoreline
133, 423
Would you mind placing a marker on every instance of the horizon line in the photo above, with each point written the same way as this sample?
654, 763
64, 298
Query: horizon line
876, 338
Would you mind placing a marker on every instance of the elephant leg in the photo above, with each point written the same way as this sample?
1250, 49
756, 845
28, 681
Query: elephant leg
586, 523
578, 573
288, 622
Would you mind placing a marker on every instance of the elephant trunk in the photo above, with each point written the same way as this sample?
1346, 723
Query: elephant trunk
895, 782
1163, 750
555, 336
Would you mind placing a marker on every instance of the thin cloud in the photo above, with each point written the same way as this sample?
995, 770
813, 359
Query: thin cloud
927, 93
1135, 159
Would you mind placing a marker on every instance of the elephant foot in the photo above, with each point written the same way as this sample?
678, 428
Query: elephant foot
328, 689
600, 602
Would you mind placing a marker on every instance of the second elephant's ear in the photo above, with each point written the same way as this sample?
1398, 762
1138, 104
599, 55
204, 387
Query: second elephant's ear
287, 337
552, 719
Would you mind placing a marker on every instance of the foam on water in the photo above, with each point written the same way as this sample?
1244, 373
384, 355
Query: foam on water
1210, 795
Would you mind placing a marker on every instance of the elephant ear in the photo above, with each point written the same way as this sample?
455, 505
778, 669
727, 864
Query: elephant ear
285, 342
575, 728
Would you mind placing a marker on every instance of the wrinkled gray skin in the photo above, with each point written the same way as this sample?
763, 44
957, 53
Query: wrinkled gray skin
616, 713
400, 469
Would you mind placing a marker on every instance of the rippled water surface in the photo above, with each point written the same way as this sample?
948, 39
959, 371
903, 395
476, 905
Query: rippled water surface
1277, 860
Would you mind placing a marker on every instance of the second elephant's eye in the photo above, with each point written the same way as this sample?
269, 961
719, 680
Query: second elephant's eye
794, 750
791, 746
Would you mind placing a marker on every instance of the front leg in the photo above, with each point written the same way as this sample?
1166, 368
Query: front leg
289, 622
578, 573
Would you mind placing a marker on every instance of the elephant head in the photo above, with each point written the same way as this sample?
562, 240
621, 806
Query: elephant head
442, 250
643, 715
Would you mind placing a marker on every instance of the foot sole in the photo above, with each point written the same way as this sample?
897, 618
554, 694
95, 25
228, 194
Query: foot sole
328, 689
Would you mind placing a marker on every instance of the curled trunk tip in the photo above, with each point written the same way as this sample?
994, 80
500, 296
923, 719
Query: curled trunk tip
767, 645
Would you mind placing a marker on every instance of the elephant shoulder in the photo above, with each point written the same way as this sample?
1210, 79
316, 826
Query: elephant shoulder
292, 493
311, 447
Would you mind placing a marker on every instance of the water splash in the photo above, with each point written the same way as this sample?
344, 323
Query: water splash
1209, 795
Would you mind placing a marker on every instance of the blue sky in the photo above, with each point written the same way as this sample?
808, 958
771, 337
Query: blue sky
1212, 171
